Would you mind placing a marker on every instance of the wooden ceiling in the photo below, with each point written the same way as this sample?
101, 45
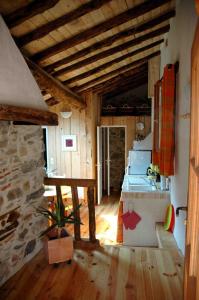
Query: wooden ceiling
77, 45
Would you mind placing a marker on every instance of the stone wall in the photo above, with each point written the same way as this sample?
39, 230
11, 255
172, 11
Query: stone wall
117, 156
21, 191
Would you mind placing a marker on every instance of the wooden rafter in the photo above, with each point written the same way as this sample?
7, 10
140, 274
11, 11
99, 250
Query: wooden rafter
127, 86
120, 76
99, 28
111, 63
113, 50
61, 21
107, 42
51, 101
55, 87
117, 71
24, 13
121, 81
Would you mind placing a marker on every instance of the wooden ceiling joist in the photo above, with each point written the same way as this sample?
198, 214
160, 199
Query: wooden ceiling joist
121, 81
99, 28
111, 63
117, 71
141, 69
55, 87
113, 50
26, 12
127, 86
107, 42
61, 21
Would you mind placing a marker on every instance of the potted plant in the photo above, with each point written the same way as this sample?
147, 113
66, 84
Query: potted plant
59, 245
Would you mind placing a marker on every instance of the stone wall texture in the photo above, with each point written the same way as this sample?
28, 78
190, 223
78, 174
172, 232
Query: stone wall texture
21, 192
117, 156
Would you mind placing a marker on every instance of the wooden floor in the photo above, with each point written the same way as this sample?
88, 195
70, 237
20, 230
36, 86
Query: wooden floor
106, 220
108, 273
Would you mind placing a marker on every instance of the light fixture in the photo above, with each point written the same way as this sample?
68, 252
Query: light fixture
66, 114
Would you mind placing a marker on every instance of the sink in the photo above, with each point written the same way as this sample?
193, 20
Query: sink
141, 188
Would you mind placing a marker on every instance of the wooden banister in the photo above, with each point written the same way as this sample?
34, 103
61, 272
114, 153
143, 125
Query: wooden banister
91, 213
75, 200
74, 183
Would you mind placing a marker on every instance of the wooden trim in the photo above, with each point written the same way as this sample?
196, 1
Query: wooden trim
55, 87
32, 9
139, 63
108, 64
29, 115
116, 49
99, 28
61, 21
107, 42
70, 182
193, 165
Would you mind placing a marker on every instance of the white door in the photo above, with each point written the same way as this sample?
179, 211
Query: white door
99, 164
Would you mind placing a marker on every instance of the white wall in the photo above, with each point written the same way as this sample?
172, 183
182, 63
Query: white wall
180, 39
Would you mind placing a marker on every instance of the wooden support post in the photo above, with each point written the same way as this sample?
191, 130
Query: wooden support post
91, 211
75, 201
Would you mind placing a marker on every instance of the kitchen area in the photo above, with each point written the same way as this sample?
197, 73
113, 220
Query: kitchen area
145, 197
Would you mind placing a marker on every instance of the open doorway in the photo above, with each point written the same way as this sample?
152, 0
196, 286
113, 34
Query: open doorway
111, 160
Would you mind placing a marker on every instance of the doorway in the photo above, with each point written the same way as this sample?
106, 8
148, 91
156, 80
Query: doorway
111, 159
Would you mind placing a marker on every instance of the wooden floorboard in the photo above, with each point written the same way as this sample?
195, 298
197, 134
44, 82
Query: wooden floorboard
109, 272
106, 220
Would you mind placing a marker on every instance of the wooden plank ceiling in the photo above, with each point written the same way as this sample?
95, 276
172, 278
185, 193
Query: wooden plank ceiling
79, 45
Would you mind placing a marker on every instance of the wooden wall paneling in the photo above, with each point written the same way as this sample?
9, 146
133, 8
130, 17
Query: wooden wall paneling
153, 74
67, 155
129, 122
82, 145
75, 159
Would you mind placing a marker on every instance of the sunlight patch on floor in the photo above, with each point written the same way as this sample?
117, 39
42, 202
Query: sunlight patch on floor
108, 235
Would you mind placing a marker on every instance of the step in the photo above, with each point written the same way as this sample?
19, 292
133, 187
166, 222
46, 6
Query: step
165, 238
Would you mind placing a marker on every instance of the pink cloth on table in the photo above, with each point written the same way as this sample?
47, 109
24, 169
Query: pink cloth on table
130, 220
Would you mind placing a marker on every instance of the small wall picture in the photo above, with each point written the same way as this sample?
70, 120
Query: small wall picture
69, 143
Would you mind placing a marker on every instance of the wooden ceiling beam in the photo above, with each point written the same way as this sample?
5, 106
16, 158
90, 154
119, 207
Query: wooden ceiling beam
111, 63
61, 21
99, 28
117, 71
121, 76
55, 87
51, 101
28, 115
113, 50
107, 42
126, 87
134, 81
26, 12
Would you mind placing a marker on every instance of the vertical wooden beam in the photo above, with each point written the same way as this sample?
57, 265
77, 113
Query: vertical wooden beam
91, 211
75, 201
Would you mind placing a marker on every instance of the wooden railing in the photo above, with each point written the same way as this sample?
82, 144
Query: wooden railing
74, 183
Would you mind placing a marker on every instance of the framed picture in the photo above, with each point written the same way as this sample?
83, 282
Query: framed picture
69, 143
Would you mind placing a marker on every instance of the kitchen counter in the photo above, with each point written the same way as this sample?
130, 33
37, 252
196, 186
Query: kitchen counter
149, 203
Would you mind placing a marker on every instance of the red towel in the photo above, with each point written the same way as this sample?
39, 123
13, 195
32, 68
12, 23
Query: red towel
130, 220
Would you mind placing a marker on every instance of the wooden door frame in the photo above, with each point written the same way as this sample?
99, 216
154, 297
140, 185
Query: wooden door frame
191, 275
